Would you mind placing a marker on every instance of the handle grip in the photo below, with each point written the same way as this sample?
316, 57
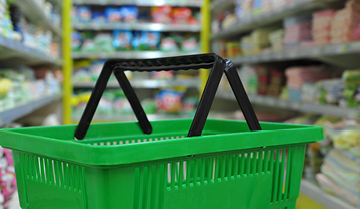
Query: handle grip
217, 64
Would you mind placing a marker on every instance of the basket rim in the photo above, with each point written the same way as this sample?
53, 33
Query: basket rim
91, 155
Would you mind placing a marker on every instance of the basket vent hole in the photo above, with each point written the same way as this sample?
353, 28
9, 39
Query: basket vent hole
102, 144
114, 143
127, 142
133, 141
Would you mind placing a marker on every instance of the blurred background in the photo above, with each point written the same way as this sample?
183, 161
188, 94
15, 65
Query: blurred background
299, 62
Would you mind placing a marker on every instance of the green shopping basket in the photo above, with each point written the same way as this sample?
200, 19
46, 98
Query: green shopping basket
218, 164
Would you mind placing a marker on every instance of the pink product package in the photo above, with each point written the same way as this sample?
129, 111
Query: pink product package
322, 23
297, 37
321, 29
320, 42
324, 13
307, 44
352, 4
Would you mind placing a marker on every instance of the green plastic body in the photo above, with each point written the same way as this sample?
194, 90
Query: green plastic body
117, 166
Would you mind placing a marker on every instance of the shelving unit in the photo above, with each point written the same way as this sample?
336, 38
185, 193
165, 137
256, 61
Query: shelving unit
351, 50
272, 16
139, 26
34, 12
306, 107
14, 52
190, 83
338, 56
314, 192
220, 6
26, 55
22, 110
180, 3
127, 54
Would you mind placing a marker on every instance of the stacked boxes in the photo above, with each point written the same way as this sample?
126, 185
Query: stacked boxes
345, 22
263, 80
276, 82
297, 76
297, 30
276, 40
321, 27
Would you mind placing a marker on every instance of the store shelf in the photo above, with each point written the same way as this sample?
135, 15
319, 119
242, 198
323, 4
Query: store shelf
20, 111
314, 192
316, 52
128, 54
131, 117
182, 3
324, 109
57, 4
220, 6
138, 26
190, 83
32, 10
19, 53
272, 16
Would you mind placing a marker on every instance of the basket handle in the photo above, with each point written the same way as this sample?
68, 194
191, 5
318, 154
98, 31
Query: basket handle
217, 64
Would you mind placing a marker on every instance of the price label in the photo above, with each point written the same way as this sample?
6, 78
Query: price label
355, 116
342, 48
265, 56
278, 55
292, 54
282, 103
252, 58
271, 101
315, 52
260, 100
294, 105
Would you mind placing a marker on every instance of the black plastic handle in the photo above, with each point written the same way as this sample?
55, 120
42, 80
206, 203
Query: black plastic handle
217, 64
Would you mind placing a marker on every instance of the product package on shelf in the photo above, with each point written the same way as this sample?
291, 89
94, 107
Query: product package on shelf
114, 103
276, 39
125, 40
249, 79
257, 41
351, 93
260, 39
345, 22
321, 26
330, 90
20, 85
263, 79
340, 172
297, 76
15, 26
314, 152
297, 31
